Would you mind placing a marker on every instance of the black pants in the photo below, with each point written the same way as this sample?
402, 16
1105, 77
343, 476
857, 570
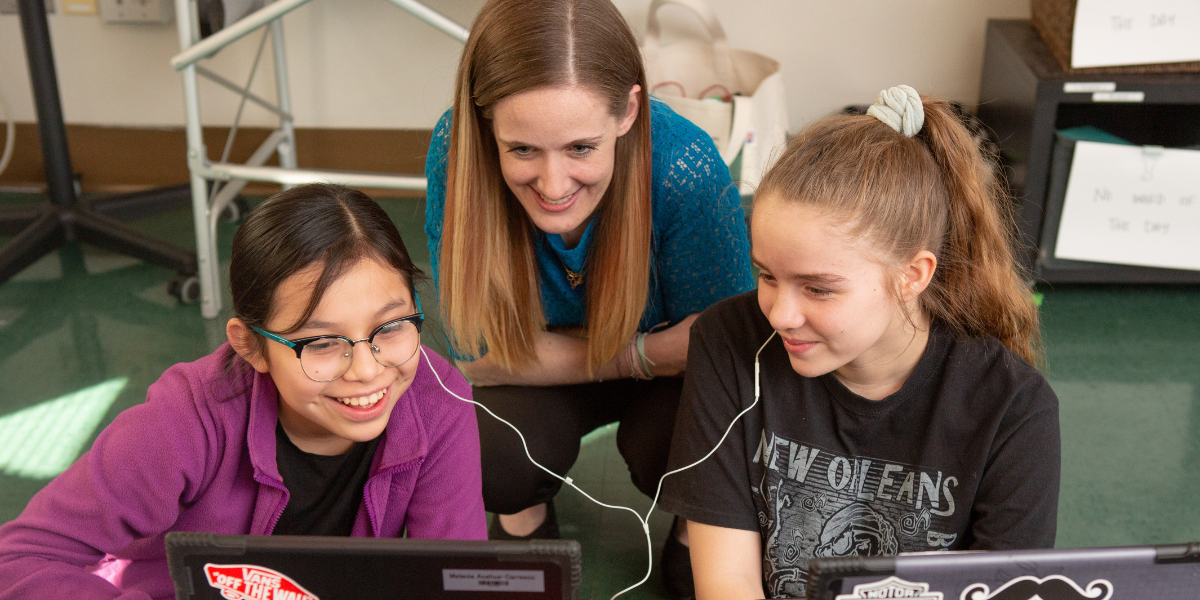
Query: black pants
553, 419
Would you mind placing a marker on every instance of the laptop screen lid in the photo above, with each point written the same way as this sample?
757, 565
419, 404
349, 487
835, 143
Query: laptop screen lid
1169, 571
207, 566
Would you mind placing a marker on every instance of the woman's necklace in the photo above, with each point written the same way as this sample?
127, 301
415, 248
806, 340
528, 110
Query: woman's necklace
575, 279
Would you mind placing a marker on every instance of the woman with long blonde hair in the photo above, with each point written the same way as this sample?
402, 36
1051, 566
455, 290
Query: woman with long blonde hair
576, 227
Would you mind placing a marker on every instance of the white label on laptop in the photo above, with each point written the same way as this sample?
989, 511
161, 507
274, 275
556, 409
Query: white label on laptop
1132, 205
892, 587
1088, 87
493, 580
1135, 32
1133, 96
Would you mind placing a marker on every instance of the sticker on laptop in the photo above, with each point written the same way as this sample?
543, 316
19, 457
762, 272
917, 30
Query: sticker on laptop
892, 587
252, 582
493, 580
1027, 587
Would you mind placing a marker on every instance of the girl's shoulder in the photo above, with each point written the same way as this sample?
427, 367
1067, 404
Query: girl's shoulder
208, 401
194, 412
985, 368
440, 391
429, 417
736, 323
216, 381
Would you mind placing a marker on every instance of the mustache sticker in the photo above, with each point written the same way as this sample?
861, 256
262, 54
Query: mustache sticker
1054, 587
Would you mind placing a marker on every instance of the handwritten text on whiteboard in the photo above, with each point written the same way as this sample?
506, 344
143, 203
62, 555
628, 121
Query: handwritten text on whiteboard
1132, 205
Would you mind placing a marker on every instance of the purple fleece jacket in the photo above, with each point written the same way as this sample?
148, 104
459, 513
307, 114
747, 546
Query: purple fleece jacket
199, 455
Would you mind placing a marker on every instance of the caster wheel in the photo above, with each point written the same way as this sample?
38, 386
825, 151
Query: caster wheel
185, 288
235, 210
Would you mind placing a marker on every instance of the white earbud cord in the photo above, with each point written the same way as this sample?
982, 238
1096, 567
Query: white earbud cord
645, 521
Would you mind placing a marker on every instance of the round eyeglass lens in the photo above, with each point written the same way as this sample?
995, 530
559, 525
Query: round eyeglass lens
392, 345
326, 359
396, 343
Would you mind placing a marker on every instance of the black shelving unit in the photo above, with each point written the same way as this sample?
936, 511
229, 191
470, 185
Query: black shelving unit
1023, 99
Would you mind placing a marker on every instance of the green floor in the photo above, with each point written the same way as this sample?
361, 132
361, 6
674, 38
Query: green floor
89, 331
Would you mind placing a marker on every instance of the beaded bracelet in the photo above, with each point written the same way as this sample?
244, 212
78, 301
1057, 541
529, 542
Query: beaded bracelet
631, 355
641, 351
639, 365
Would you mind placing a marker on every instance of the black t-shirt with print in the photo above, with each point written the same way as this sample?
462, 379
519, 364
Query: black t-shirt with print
964, 456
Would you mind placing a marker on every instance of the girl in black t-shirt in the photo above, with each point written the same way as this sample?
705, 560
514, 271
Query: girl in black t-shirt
898, 410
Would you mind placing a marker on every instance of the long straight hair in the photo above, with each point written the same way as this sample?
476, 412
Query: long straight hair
489, 278
934, 192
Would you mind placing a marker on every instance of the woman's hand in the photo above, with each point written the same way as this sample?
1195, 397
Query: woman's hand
561, 360
562, 356
668, 348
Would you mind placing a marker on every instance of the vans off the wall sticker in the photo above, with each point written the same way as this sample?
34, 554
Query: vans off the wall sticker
252, 582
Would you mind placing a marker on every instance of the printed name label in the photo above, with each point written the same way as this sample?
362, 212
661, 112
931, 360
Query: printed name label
493, 580
1088, 87
1119, 97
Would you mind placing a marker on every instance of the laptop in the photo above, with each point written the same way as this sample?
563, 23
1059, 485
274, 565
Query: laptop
207, 566
1168, 571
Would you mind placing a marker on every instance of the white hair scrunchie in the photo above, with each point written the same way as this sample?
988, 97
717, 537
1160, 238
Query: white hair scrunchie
900, 107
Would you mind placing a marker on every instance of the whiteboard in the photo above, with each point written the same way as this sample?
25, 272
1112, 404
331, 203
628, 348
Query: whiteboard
1135, 32
1132, 205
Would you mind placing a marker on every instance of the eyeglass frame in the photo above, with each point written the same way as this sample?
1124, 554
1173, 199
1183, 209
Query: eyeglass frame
417, 319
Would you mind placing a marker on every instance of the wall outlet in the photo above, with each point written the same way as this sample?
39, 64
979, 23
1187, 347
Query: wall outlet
9, 7
136, 11
80, 7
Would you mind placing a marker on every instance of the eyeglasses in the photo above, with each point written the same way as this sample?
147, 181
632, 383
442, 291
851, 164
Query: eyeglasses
328, 357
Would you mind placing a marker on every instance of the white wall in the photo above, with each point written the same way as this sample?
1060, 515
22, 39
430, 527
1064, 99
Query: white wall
365, 63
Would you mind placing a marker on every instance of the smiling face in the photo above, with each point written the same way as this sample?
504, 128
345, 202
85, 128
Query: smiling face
557, 149
327, 418
828, 297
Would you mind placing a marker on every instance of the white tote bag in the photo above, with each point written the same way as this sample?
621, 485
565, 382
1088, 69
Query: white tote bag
735, 95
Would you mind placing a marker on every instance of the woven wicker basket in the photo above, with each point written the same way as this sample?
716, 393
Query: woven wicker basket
1055, 21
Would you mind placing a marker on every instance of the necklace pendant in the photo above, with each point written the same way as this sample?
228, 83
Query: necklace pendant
575, 279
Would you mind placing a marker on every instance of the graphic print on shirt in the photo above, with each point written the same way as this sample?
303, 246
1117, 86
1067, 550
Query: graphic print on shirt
816, 503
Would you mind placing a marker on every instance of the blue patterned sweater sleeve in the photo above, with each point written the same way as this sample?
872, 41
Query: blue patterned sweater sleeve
435, 194
702, 252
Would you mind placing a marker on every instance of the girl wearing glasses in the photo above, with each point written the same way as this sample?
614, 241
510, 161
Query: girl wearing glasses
569, 215
322, 416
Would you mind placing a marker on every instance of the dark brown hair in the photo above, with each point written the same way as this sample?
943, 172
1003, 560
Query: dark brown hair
320, 224
488, 288
934, 192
